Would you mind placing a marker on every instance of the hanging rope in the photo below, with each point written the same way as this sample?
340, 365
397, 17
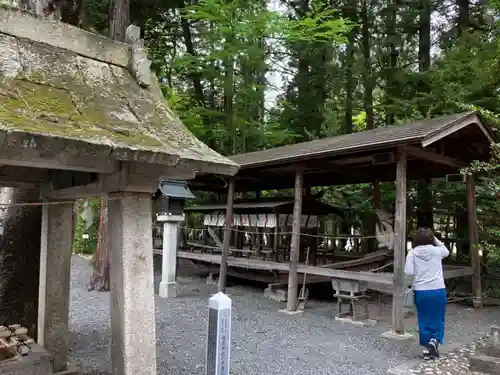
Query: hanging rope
353, 237
58, 202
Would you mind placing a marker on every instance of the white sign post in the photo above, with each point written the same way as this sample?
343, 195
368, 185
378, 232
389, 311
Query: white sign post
219, 335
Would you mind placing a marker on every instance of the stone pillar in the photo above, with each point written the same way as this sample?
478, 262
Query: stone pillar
133, 338
169, 256
55, 271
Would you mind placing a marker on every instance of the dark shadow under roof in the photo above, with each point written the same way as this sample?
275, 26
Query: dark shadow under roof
283, 205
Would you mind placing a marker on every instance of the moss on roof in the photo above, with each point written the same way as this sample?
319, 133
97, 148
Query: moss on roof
57, 93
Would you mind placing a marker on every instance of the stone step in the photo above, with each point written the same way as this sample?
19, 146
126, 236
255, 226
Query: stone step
484, 364
491, 351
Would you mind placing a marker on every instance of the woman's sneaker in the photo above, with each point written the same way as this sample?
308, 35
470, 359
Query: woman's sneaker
433, 348
426, 355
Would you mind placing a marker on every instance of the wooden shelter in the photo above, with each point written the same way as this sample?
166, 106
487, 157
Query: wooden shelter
82, 115
425, 149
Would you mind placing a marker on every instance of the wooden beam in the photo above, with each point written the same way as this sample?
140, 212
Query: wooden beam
399, 245
291, 304
433, 157
473, 242
227, 236
314, 167
357, 160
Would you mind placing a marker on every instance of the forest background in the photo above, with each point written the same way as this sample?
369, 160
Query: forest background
246, 75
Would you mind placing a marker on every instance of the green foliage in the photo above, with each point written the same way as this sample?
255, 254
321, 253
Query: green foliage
219, 62
81, 245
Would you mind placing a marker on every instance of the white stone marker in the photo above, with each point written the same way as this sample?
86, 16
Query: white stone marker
219, 335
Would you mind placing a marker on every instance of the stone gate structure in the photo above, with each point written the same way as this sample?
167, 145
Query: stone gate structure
82, 115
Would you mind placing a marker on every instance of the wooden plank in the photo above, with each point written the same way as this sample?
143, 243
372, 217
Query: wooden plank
291, 304
399, 245
227, 236
369, 259
381, 278
473, 242
433, 157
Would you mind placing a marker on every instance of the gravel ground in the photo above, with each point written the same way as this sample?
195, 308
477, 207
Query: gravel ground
265, 341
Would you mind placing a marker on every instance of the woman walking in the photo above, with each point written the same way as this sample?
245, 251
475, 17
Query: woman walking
424, 264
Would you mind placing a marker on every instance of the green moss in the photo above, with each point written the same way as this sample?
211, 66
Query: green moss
43, 109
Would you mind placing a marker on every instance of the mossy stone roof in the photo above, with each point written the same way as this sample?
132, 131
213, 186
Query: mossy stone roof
57, 93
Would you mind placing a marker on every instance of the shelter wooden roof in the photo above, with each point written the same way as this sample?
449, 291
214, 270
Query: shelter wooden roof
425, 132
438, 146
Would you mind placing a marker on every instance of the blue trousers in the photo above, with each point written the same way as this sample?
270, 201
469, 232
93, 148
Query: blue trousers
431, 310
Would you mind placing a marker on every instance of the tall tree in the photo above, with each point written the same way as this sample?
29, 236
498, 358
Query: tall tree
391, 58
425, 217
350, 12
368, 79
100, 279
119, 19
463, 21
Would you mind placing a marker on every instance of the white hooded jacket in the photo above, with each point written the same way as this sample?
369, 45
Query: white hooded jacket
424, 264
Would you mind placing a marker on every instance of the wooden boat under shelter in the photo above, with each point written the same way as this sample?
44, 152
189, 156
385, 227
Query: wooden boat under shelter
261, 230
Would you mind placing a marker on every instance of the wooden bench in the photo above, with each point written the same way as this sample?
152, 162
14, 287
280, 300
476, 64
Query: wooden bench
233, 250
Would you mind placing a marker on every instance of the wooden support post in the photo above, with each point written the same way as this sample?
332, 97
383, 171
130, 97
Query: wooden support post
473, 243
227, 236
376, 195
276, 236
295, 243
399, 246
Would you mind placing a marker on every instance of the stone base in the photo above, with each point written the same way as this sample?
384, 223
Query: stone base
212, 279
38, 361
358, 323
397, 336
409, 313
484, 364
288, 312
477, 303
167, 290
276, 293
